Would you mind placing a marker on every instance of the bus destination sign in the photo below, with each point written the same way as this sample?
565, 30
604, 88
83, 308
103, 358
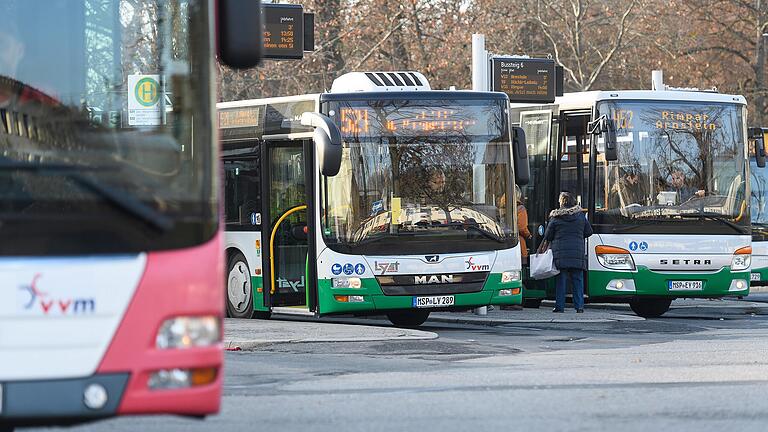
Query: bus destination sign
283, 31
524, 80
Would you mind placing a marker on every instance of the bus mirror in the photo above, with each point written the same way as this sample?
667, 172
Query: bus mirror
605, 128
760, 150
327, 141
759, 137
520, 157
239, 30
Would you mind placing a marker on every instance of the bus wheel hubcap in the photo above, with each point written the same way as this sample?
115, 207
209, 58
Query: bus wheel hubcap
239, 287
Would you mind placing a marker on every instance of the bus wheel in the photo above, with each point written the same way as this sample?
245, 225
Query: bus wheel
534, 303
239, 290
650, 308
411, 318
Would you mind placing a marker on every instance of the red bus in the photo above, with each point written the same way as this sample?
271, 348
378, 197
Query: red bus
111, 263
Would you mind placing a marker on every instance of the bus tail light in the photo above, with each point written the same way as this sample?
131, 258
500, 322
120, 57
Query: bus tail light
189, 332
742, 258
614, 258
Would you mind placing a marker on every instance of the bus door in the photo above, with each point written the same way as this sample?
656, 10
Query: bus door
572, 163
286, 238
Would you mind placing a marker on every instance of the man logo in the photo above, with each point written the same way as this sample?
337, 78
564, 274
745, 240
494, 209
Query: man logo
433, 279
432, 258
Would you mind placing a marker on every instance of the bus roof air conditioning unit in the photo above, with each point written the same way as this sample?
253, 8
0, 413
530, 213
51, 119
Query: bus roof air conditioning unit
380, 82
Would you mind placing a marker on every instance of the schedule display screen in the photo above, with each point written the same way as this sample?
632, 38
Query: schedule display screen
283, 31
524, 79
407, 118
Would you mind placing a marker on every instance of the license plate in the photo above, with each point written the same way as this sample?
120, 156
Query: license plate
754, 277
434, 301
686, 285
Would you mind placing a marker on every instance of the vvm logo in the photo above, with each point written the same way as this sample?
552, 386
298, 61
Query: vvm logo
49, 305
476, 267
147, 92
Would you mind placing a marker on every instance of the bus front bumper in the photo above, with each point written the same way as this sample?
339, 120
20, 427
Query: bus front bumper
61, 401
370, 298
644, 282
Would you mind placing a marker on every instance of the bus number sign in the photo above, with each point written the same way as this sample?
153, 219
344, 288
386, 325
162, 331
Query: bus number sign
524, 79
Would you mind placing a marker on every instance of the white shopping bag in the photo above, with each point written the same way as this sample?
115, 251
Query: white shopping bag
543, 265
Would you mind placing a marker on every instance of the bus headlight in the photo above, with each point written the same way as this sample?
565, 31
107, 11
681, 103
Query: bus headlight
344, 282
742, 258
614, 258
189, 332
510, 276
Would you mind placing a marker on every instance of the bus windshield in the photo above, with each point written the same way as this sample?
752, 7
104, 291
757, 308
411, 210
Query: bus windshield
424, 175
98, 104
678, 161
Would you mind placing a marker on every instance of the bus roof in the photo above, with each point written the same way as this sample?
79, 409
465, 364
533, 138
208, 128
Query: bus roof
272, 100
588, 99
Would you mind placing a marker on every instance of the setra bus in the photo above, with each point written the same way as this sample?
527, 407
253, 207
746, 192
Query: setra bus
662, 176
108, 203
419, 217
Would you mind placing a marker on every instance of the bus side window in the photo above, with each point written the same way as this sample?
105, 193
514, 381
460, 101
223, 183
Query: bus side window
242, 191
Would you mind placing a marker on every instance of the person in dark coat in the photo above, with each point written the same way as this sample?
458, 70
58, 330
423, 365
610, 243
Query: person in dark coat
566, 231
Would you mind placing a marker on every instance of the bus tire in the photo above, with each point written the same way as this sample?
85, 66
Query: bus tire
533, 303
239, 292
650, 308
411, 318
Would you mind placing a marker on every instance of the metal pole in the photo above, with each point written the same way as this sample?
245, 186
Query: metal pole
479, 63
479, 83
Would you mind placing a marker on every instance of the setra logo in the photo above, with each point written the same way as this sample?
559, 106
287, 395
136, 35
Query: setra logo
476, 267
43, 302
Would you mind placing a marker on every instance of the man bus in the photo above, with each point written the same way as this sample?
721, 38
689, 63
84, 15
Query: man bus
110, 251
420, 217
663, 178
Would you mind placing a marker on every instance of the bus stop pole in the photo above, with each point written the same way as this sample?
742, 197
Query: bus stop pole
479, 83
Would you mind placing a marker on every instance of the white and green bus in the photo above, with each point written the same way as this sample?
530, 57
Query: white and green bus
758, 137
663, 178
420, 216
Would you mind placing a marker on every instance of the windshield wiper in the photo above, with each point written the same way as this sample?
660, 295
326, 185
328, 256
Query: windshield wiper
641, 222
484, 233
715, 217
117, 197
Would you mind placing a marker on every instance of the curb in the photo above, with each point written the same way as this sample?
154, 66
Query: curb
250, 344
500, 321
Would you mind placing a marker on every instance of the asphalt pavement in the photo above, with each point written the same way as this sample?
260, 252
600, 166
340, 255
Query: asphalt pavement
701, 367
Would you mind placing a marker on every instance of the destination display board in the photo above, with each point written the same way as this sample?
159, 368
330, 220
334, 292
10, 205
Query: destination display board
525, 80
283, 31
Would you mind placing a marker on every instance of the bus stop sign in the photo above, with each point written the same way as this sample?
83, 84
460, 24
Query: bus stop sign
526, 80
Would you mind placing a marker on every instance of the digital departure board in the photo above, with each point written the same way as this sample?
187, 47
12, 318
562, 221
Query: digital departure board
524, 80
283, 31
